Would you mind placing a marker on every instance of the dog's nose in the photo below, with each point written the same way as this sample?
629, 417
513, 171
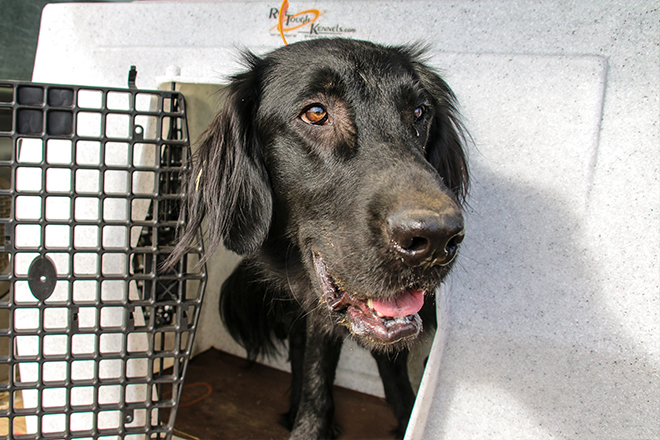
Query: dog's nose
423, 237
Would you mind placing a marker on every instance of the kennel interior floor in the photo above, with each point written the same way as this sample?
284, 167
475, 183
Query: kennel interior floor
225, 397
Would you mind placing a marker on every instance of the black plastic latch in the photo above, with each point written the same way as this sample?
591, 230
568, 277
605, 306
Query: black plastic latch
42, 277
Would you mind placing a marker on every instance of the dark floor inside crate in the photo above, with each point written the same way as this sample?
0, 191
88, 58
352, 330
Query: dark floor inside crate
224, 397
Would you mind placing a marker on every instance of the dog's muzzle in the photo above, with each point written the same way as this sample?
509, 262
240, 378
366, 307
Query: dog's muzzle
381, 321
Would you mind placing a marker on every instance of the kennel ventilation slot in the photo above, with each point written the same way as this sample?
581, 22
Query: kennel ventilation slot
94, 336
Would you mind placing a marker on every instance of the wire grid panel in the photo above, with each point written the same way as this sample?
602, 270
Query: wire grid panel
94, 337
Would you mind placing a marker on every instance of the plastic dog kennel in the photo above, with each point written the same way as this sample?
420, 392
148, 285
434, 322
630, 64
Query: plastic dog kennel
94, 336
562, 100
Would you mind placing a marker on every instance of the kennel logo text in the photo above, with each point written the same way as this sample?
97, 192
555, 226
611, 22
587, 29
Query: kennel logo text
304, 24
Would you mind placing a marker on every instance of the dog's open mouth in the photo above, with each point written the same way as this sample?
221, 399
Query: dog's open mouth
384, 321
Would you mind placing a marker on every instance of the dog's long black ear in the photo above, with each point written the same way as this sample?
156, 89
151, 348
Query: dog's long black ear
227, 182
446, 146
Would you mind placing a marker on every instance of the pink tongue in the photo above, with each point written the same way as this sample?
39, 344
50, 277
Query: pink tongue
407, 303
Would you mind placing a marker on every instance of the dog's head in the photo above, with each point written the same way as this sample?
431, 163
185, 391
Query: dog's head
350, 153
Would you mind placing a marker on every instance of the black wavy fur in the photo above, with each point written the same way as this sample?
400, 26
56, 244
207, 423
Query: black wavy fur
384, 141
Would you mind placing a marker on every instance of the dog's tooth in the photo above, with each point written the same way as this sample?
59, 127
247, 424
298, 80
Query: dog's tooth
370, 304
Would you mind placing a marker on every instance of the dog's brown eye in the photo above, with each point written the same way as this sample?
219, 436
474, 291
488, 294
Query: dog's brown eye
315, 115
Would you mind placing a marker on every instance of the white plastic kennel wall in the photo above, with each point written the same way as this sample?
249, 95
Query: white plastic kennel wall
552, 313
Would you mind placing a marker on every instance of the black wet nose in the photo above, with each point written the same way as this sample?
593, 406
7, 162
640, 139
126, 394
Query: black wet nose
423, 237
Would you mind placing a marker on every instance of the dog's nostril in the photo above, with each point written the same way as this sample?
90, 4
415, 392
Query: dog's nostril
417, 244
455, 241
451, 248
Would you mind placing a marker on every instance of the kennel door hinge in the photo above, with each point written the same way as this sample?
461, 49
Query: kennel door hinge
132, 75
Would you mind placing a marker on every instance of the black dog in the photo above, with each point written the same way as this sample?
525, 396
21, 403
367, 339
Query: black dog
337, 168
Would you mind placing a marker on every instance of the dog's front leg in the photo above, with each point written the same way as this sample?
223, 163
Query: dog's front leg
297, 337
393, 369
316, 408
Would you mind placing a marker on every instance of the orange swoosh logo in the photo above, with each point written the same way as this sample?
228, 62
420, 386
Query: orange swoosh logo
282, 16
